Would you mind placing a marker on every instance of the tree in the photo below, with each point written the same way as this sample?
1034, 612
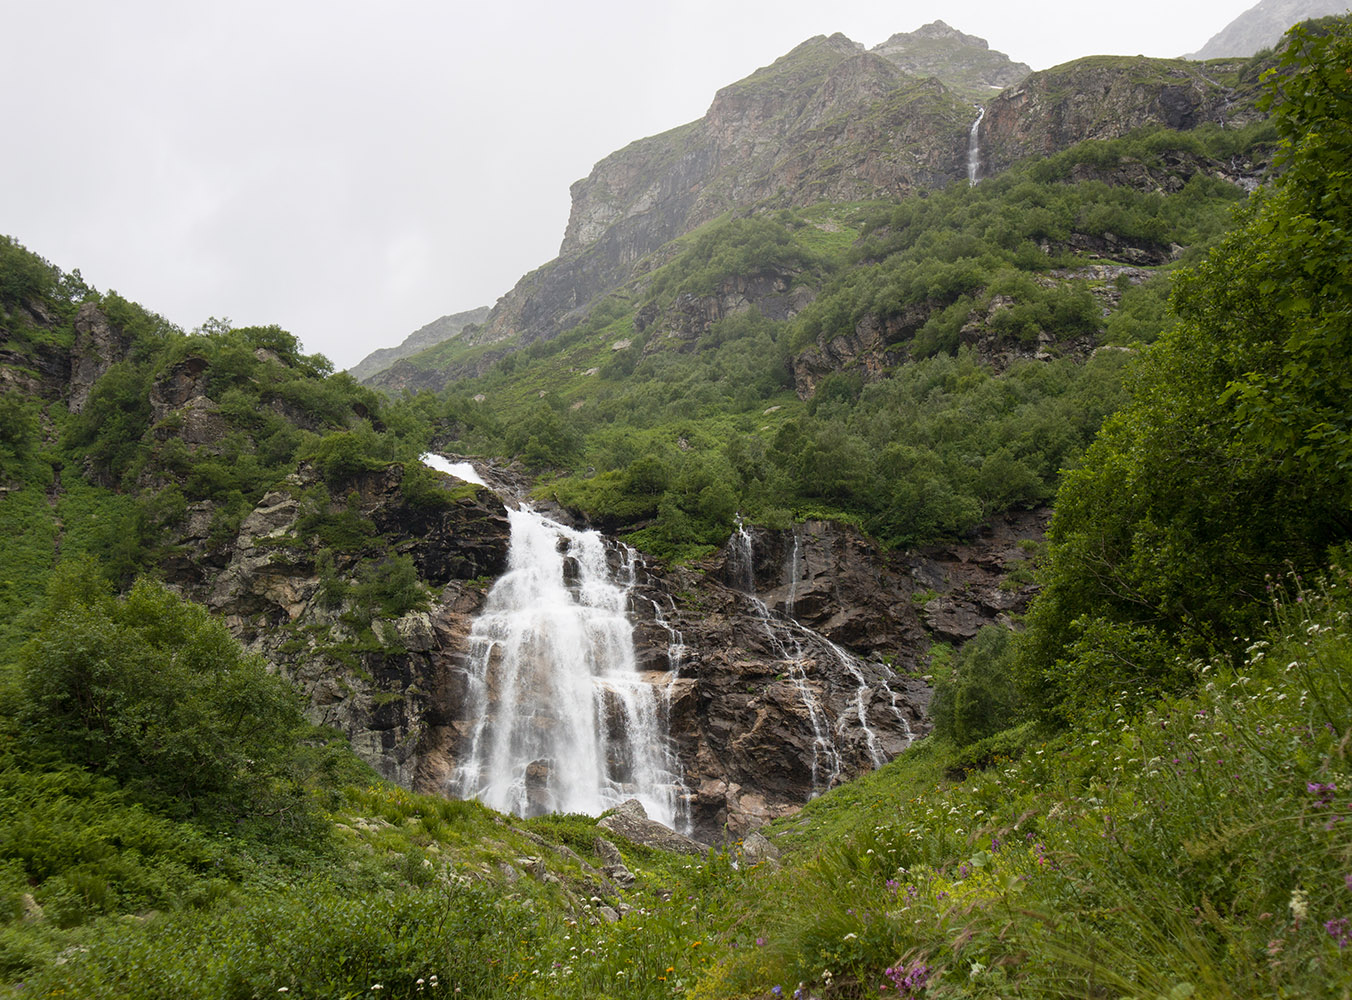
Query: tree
151, 690
1232, 461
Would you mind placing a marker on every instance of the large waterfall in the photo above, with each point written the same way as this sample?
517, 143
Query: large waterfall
564, 720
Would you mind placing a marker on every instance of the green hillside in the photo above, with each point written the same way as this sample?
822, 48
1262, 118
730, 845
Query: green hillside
1142, 793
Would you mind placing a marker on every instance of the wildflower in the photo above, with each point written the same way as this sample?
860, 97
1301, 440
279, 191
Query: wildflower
1338, 930
760, 942
778, 991
1300, 904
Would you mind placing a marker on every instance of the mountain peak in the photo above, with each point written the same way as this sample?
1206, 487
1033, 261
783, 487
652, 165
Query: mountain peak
1262, 26
939, 29
965, 63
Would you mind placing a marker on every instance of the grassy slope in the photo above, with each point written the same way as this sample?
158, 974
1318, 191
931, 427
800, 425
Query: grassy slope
1201, 849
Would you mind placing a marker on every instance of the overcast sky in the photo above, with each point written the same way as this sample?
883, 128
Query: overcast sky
351, 171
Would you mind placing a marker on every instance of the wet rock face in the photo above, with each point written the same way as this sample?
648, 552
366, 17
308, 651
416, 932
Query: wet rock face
740, 704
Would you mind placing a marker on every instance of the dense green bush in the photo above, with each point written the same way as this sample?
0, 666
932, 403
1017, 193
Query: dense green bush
152, 691
979, 697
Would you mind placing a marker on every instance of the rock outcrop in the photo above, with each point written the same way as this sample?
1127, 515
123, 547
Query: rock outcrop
98, 346
966, 64
776, 684
1107, 97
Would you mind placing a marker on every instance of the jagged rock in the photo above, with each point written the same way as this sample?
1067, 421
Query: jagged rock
1106, 97
98, 346
608, 852
965, 63
630, 820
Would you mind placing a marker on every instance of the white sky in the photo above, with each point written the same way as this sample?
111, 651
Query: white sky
353, 170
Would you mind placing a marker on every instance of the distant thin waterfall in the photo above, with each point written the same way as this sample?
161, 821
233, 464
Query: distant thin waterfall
974, 149
564, 721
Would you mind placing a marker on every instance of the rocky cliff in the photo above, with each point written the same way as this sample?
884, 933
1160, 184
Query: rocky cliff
830, 121
966, 64
827, 121
1107, 97
781, 675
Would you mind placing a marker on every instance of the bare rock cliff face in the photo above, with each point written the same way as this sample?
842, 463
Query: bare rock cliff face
781, 677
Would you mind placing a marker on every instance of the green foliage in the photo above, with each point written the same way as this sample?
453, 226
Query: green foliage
979, 698
151, 691
1194, 851
391, 585
449, 939
1231, 463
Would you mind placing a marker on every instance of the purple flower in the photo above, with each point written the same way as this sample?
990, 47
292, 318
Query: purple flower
778, 991
1338, 930
760, 943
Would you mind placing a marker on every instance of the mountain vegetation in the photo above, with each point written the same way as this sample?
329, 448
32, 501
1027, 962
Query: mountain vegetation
1141, 792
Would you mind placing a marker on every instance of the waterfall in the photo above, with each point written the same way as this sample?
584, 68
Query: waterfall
741, 564
826, 764
974, 149
564, 721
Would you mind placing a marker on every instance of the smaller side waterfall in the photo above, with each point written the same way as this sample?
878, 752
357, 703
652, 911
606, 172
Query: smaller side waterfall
826, 764
787, 634
974, 149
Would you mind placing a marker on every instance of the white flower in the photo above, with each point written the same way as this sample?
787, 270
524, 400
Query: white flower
1300, 904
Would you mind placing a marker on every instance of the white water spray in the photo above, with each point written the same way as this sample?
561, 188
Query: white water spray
974, 150
740, 558
826, 764
461, 470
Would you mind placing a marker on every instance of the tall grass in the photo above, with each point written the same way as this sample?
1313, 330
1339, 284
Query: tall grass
1203, 849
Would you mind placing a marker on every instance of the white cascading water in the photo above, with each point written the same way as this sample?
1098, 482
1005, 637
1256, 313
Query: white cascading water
826, 764
742, 558
564, 720
461, 470
974, 150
